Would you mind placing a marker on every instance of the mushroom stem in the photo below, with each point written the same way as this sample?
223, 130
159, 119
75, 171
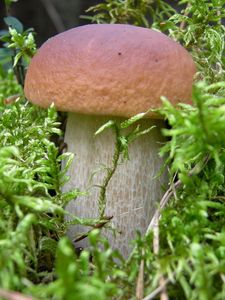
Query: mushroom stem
132, 191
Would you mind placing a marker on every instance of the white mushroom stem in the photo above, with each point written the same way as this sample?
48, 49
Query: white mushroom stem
133, 190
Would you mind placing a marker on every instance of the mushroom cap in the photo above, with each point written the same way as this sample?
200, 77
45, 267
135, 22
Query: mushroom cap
109, 69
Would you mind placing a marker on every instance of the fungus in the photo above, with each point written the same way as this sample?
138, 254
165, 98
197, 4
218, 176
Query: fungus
111, 71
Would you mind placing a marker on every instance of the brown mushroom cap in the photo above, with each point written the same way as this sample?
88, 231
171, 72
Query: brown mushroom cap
109, 69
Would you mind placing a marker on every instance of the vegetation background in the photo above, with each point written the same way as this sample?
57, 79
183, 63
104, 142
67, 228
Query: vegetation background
49, 17
37, 261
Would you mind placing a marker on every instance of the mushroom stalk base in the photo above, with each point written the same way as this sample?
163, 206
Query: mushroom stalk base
133, 191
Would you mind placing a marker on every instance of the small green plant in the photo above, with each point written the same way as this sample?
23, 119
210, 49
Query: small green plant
30, 194
78, 278
200, 29
19, 47
141, 12
192, 227
121, 149
31, 176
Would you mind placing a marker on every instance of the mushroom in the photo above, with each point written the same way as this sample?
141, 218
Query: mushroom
111, 72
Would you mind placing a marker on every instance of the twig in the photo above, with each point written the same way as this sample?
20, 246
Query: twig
222, 276
140, 282
219, 197
154, 224
102, 222
162, 204
157, 290
54, 15
163, 293
172, 186
183, 23
197, 168
219, 15
11, 99
156, 233
11, 295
